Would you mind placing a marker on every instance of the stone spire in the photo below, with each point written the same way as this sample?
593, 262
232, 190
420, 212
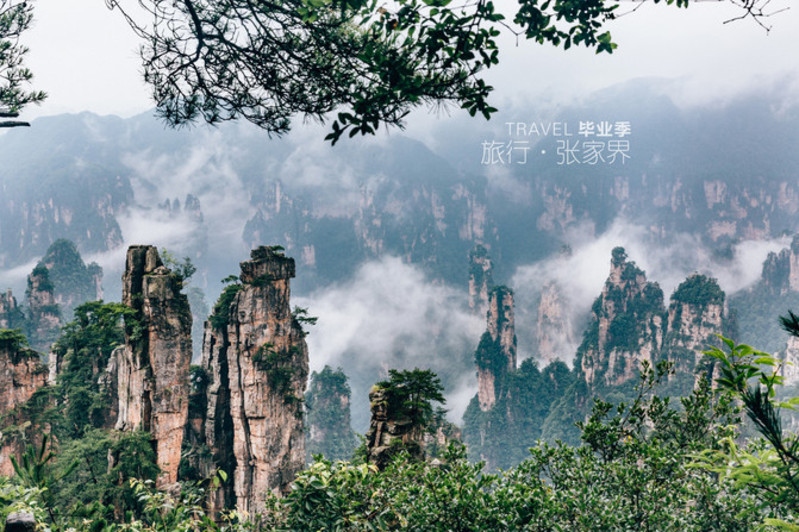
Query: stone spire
255, 355
153, 365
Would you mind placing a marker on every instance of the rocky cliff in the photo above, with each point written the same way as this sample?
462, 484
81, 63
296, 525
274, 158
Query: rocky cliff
402, 201
73, 281
553, 329
11, 315
153, 365
21, 375
388, 432
695, 317
496, 353
627, 327
255, 355
44, 314
781, 270
327, 404
481, 279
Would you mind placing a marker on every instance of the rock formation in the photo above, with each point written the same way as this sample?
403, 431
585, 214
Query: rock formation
255, 355
781, 270
11, 316
695, 318
389, 432
21, 375
627, 327
553, 329
790, 357
496, 353
44, 315
153, 365
396, 427
481, 279
73, 281
327, 404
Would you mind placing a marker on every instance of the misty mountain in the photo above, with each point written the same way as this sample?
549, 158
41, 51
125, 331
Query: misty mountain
696, 189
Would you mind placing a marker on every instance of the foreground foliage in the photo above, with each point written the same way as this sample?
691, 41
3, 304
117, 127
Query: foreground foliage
636, 470
649, 464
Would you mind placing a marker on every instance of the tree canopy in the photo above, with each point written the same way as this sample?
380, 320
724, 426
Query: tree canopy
411, 394
15, 18
361, 63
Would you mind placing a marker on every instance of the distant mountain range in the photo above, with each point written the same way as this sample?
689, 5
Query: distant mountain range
529, 186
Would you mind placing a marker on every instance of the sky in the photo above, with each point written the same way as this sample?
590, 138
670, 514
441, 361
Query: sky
85, 57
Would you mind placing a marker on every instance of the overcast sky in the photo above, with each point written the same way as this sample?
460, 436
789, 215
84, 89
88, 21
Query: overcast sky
85, 57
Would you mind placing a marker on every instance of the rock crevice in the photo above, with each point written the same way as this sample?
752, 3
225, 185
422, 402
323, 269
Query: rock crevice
255, 355
153, 365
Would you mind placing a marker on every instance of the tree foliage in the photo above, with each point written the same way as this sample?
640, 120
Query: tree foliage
85, 348
371, 62
15, 18
769, 467
411, 394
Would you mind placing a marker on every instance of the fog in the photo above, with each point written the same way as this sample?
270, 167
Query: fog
390, 315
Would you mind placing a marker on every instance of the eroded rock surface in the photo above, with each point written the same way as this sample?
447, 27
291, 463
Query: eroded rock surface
21, 375
255, 355
153, 365
496, 353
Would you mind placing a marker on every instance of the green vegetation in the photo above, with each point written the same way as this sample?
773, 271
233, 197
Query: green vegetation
72, 280
301, 316
768, 467
184, 269
84, 350
502, 436
273, 362
370, 63
645, 463
65, 470
699, 290
15, 18
13, 339
410, 395
220, 317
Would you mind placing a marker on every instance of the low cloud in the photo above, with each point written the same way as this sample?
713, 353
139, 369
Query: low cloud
389, 315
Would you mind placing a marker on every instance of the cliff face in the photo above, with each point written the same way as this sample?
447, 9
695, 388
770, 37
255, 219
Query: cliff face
328, 416
481, 279
553, 329
44, 320
255, 355
631, 325
627, 326
73, 281
695, 318
496, 353
11, 316
389, 433
781, 270
153, 365
403, 202
21, 374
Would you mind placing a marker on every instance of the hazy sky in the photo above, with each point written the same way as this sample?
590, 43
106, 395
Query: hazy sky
85, 57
